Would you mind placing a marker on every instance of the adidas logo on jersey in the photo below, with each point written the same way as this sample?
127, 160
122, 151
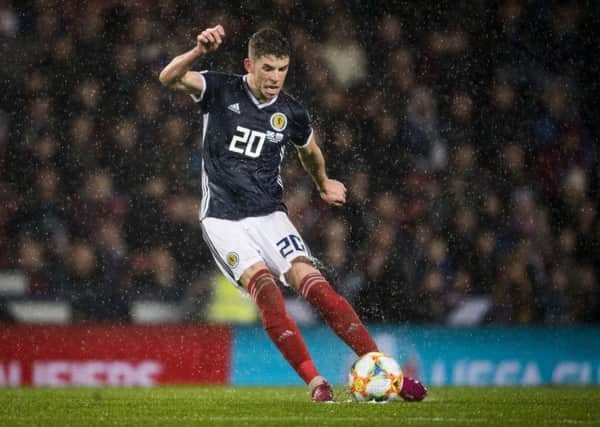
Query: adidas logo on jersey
235, 108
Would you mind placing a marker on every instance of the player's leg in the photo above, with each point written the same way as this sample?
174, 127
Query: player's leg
341, 317
283, 331
334, 308
238, 258
281, 328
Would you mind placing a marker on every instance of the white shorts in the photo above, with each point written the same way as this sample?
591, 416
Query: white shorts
237, 245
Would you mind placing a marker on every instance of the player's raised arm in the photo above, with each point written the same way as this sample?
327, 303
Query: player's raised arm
177, 74
330, 190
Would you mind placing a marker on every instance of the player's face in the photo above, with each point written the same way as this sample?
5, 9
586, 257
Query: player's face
267, 75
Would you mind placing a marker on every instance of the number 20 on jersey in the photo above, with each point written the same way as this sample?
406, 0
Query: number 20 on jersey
247, 142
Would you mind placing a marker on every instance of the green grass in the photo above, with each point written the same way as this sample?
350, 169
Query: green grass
236, 406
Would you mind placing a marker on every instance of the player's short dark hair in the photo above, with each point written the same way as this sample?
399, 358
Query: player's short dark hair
268, 41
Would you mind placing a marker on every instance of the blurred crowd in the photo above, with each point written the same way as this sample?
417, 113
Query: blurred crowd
466, 132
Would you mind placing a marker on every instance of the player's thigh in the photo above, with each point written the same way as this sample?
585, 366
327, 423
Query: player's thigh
232, 248
280, 242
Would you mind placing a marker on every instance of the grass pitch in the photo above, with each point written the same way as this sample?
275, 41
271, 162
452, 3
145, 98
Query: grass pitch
237, 406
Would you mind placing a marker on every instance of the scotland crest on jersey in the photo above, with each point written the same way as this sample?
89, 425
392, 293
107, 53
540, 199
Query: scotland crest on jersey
278, 122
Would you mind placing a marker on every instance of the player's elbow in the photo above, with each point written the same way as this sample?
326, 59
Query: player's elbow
166, 78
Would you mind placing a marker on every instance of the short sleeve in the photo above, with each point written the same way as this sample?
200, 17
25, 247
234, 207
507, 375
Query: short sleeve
302, 129
213, 82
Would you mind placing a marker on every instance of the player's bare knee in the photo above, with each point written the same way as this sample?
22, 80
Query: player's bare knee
303, 260
301, 267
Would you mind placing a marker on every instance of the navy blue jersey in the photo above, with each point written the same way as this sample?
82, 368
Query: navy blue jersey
243, 147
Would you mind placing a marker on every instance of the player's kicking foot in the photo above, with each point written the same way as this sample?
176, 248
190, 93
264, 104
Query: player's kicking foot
320, 390
412, 390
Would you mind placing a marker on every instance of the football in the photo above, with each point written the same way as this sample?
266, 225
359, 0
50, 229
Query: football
375, 377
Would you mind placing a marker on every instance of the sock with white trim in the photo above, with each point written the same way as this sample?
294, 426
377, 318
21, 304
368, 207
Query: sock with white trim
338, 313
282, 330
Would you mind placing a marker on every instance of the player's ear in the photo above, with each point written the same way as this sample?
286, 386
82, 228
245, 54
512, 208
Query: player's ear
248, 65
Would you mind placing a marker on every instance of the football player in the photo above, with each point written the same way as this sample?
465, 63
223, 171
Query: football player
248, 122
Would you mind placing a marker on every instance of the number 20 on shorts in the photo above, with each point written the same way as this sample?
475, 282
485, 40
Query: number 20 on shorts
290, 244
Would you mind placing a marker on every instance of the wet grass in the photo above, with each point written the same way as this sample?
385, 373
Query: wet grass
253, 406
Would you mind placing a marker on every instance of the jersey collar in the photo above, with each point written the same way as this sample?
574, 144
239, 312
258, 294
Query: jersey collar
253, 98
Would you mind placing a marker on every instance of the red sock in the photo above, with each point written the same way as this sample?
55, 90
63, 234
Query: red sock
279, 326
338, 313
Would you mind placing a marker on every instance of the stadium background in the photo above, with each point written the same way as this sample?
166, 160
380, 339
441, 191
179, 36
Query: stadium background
467, 133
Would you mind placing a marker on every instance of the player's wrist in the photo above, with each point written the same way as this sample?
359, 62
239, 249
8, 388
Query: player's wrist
321, 184
198, 51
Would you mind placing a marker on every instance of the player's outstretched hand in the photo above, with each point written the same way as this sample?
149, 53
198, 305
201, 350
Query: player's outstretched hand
333, 192
210, 39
